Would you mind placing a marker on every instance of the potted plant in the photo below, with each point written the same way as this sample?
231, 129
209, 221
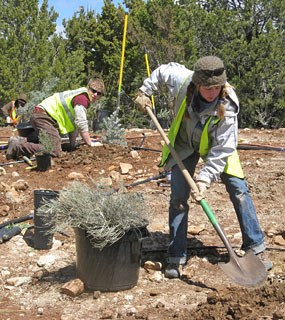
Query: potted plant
43, 157
109, 226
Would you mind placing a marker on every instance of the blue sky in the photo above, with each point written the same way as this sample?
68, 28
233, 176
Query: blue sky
66, 8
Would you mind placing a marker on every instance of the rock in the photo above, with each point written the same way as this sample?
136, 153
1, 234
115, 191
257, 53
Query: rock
2, 171
135, 154
153, 265
125, 167
115, 176
4, 210
15, 174
96, 295
107, 314
75, 176
106, 181
18, 281
46, 260
195, 230
73, 288
279, 240
20, 185
156, 277
12, 196
40, 274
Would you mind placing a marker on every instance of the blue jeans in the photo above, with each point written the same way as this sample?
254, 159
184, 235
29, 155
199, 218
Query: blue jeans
252, 235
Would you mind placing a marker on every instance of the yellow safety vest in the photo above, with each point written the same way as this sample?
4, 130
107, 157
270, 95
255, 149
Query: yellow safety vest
13, 113
60, 108
233, 165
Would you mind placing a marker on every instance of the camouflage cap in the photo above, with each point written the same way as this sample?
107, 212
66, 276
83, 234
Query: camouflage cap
98, 84
209, 71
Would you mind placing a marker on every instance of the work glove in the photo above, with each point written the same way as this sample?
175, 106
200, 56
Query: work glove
143, 101
202, 187
95, 144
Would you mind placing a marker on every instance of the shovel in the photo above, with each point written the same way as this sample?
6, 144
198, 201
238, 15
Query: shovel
248, 270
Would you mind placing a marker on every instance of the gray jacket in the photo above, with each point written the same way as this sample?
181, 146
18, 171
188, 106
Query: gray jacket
222, 136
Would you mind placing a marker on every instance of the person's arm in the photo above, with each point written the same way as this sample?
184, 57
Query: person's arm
171, 75
81, 123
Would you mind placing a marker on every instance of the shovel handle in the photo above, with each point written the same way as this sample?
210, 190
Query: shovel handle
173, 152
191, 182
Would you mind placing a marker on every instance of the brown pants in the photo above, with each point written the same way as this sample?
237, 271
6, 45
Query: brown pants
42, 121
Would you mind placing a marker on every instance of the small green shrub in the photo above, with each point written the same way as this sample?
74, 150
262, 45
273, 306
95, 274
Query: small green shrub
46, 141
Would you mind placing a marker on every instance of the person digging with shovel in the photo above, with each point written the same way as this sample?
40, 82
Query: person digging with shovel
62, 113
205, 125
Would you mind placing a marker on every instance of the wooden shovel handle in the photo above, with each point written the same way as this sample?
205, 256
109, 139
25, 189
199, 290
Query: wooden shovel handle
174, 154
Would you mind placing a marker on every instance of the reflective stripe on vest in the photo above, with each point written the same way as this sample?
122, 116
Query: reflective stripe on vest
233, 165
173, 131
13, 113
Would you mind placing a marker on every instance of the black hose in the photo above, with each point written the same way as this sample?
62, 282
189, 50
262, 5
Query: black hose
259, 147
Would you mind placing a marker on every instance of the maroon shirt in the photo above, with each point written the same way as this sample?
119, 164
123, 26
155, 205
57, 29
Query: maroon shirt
81, 99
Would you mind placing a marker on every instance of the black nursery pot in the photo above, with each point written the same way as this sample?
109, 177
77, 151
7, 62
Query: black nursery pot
43, 238
43, 161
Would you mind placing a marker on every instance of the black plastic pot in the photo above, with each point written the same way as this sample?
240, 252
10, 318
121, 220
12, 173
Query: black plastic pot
163, 123
113, 268
25, 129
102, 114
43, 161
42, 237
96, 125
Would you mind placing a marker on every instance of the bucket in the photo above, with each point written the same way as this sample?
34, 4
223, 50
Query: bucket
42, 238
113, 268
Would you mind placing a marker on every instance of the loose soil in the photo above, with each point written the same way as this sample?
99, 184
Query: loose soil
203, 292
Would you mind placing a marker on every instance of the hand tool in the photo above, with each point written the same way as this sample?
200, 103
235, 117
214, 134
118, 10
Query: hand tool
247, 270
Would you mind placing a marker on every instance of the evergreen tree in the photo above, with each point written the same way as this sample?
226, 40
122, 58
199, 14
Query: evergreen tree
25, 49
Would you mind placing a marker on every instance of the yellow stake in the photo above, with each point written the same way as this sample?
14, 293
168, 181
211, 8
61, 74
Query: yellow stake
123, 54
148, 74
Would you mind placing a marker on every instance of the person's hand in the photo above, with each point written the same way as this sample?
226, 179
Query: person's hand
143, 101
95, 144
202, 187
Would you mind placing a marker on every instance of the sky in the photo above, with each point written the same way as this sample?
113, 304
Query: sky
66, 8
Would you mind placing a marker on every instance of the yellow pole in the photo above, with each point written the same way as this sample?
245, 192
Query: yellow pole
148, 74
122, 56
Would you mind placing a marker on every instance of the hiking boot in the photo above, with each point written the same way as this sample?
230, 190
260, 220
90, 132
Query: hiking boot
263, 257
172, 271
12, 151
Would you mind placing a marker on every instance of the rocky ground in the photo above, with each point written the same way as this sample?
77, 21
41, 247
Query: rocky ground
32, 281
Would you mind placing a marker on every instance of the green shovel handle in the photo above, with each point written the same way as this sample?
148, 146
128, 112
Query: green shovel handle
208, 212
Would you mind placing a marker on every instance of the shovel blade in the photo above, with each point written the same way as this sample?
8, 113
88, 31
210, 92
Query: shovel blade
247, 271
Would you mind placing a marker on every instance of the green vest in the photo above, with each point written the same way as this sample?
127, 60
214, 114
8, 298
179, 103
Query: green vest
233, 165
59, 107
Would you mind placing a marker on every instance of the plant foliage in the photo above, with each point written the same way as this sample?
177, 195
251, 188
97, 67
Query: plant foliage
105, 215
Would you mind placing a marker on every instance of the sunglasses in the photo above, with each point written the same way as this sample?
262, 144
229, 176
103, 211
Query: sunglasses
212, 73
95, 91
